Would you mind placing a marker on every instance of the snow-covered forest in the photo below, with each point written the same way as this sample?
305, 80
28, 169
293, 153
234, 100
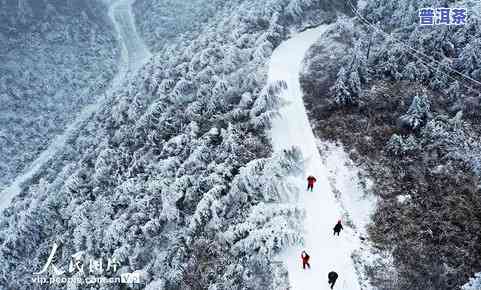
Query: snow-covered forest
161, 21
55, 57
177, 175
174, 175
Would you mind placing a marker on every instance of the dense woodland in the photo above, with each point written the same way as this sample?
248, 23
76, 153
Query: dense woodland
56, 57
394, 101
165, 20
175, 176
160, 21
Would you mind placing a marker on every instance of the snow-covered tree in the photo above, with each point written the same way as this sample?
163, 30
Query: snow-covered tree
266, 105
418, 112
470, 59
341, 89
400, 146
474, 283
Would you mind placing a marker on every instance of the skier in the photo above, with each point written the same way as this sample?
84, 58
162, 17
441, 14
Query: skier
338, 227
332, 276
310, 182
305, 260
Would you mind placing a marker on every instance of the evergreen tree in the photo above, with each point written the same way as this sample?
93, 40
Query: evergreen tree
400, 146
341, 89
418, 112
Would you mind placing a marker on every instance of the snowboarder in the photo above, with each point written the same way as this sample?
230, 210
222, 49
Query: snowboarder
310, 182
332, 276
338, 227
305, 260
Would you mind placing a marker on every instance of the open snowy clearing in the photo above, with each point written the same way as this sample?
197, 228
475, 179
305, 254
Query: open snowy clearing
292, 128
134, 55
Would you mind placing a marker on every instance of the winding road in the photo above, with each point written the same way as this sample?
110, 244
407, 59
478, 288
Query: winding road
133, 55
292, 128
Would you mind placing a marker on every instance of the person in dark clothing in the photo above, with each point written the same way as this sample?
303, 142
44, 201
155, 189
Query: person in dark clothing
338, 227
310, 182
332, 276
305, 260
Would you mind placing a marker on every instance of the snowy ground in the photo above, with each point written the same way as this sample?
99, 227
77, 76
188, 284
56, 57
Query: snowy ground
352, 189
134, 55
351, 185
292, 128
135, 49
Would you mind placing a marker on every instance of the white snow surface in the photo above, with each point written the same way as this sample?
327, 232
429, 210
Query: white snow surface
353, 190
361, 4
352, 186
292, 128
134, 54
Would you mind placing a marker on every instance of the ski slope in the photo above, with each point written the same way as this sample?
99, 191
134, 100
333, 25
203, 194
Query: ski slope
133, 55
292, 128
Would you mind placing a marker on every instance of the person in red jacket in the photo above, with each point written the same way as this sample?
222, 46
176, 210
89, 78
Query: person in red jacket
305, 260
310, 182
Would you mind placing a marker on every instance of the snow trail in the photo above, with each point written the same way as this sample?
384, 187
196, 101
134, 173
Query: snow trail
292, 128
135, 49
133, 55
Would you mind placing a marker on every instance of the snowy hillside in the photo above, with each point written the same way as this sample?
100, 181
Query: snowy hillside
238, 145
175, 161
134, 54
55, 58
159, 21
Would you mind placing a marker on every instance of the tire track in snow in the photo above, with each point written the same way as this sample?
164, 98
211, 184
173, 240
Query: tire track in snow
134, 54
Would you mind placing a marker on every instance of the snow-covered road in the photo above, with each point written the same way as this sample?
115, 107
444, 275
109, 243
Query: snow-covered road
135, 51
292, 128
134, 54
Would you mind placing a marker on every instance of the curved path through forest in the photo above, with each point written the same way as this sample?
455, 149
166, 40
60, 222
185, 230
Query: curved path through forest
292, 128
133, 55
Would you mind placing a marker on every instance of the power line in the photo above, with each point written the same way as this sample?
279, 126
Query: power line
416, 51
409, 47
426, 63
